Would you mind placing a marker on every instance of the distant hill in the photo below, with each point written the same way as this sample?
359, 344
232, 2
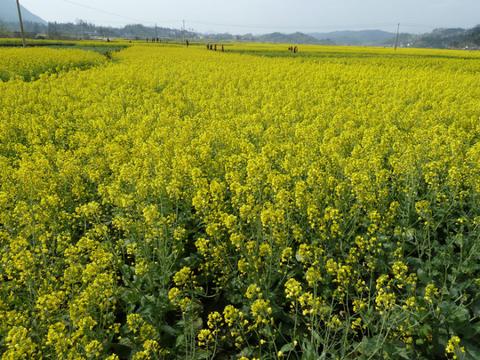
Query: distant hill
8, 13
295, 38
450, 38
456, 38
363, 37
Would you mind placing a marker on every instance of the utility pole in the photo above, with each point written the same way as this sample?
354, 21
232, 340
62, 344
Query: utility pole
183, 31
397, 37
156, 32
21, 23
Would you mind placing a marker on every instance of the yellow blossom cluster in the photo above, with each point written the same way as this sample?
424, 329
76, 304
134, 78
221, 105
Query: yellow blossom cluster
29, 64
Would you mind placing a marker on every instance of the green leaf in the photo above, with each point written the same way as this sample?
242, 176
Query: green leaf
202, 354
472, 349
122, 351
460, 316
168, 330
197, 323
425, 330
287, 348
180, 340
423, 276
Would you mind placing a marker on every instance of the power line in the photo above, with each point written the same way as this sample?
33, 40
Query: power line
85, 6
100, 10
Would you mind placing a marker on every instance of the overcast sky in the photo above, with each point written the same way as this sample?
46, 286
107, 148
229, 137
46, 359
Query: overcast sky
261, 16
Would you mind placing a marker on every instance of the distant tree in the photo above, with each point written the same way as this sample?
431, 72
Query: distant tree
474, 35
4, 29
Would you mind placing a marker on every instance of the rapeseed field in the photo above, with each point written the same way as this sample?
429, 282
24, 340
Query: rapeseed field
29, 64
253, 204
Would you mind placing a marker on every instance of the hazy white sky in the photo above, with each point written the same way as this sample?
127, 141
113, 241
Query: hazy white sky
261, 16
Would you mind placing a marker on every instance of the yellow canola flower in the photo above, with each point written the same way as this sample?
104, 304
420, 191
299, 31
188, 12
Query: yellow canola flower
293, 289
453, 348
